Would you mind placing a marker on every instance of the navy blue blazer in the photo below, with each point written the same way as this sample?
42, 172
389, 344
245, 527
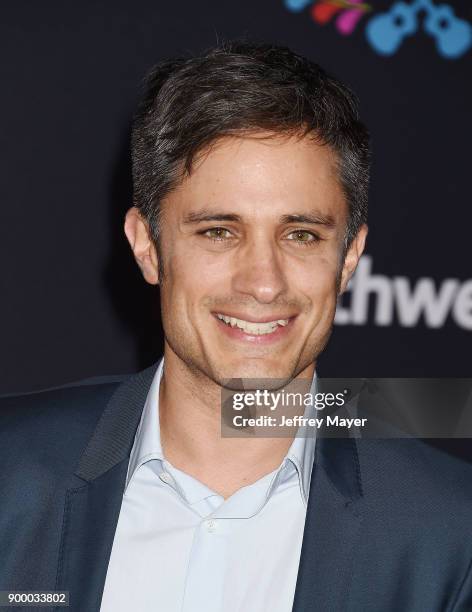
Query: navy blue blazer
388, 526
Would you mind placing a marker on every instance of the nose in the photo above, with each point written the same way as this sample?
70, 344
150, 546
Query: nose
259, 271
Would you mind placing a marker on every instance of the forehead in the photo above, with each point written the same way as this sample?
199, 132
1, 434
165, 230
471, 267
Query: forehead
260, 174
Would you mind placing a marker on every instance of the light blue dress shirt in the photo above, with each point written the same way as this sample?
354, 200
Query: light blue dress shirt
181, 547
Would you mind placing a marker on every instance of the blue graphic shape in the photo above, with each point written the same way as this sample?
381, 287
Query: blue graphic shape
453, 35
296, 5
386, 32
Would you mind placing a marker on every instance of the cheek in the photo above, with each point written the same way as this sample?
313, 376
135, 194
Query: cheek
318, 281
192, 278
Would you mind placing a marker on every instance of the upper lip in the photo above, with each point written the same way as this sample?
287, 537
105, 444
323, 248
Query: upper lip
251, 319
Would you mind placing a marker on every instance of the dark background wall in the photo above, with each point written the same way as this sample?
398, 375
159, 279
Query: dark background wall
73, 304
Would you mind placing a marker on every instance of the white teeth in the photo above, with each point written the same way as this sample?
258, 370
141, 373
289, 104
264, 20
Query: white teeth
257, 329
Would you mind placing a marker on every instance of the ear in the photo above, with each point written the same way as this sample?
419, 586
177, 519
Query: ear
352, 257
139, 238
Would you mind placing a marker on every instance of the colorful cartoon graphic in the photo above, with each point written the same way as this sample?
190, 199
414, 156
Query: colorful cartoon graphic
386, 31
350, 12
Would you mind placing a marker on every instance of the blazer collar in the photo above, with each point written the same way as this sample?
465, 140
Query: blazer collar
339, 459
113, 437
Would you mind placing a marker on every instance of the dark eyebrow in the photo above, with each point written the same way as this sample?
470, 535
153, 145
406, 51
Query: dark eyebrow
198, 217
312, 219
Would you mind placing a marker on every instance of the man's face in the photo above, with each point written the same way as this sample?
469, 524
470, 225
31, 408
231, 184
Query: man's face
251, 247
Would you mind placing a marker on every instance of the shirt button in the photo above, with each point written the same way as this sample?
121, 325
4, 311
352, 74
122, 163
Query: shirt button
165, 477
211, 525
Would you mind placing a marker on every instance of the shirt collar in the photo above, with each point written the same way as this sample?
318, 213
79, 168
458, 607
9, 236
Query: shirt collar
147, 443
302, 450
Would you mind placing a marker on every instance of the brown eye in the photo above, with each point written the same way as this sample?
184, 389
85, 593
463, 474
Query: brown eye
303, 236
217, 233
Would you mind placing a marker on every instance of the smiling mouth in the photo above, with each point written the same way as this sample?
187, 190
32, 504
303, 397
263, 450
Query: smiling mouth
253, 328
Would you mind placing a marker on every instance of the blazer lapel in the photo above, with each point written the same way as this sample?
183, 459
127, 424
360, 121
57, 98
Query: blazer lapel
332, 528
93, 501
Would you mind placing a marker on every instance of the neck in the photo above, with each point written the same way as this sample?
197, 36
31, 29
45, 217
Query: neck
190, 427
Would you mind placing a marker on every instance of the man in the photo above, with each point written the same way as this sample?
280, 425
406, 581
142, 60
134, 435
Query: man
250, 170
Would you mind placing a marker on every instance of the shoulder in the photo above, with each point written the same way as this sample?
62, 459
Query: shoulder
77, 402
48, 430
414, 475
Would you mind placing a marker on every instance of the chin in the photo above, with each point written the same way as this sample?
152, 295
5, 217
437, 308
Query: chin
230, 375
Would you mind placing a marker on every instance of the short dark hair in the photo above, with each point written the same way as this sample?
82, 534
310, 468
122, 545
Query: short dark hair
235, 88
